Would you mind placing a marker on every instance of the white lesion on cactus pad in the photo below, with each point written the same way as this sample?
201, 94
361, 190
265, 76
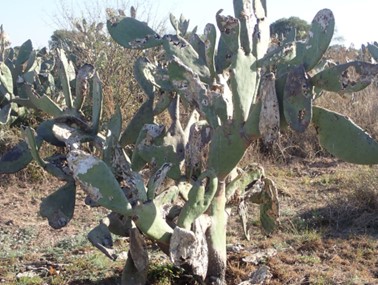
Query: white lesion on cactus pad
227, 24
208, 29
109, 134
137, 43
93, 192
175, 41
323, 18
160, 175
153, 130
180, 84
162, 172
67, 135
62, 132
160, 77
80, 162
140, 42
308, 40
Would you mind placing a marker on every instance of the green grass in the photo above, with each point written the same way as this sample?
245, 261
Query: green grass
164, 274
311, 259
30, 281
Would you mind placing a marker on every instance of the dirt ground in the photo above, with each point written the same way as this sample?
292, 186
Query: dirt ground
328, 232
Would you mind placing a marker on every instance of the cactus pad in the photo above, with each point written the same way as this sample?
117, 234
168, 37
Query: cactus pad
269, 208
133, 34
98, 181
269, 123
59, 206
297, 100
340, 136
339, 77
17, 158
6, 80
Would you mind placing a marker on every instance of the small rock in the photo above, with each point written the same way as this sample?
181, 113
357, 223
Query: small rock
122, 255
259, 277
28, 274
260, 256
235, 247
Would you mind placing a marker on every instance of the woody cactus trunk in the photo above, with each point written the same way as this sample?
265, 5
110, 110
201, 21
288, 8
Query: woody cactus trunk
237, 87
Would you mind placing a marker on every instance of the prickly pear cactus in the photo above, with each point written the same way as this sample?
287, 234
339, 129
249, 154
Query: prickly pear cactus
21, 69
67, 126
242, 91
235, 90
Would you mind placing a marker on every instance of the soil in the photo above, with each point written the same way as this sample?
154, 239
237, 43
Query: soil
328, 232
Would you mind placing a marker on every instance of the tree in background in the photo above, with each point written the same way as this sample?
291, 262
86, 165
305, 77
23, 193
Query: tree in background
284, 26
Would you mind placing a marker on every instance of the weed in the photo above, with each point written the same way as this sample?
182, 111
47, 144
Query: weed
310, 259
36, 280
91, 266
164, 274
70, 243
321, 279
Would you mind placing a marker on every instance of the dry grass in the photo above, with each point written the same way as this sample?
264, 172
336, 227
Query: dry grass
329, 229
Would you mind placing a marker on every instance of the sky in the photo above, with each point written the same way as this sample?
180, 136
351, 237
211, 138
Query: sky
37, 19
